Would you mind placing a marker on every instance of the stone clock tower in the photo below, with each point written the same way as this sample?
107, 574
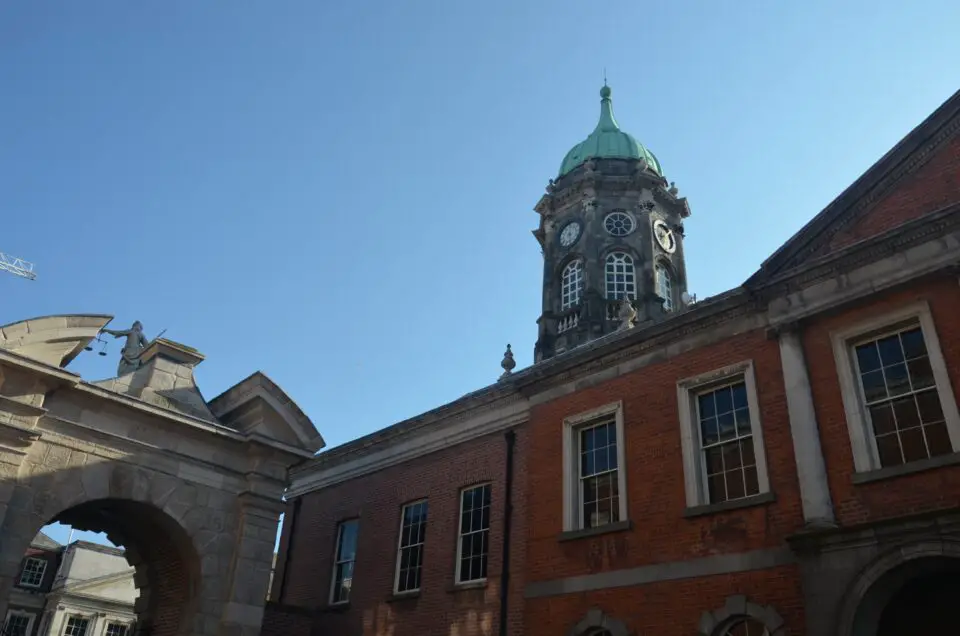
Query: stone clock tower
611, 230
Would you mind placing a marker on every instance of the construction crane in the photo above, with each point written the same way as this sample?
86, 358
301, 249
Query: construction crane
17, 266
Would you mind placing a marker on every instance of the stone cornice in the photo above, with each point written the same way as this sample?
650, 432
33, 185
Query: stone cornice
456, 429
58, 375
912, 152
194, 422
469, 406
146, 407
618, 346
259, 385
58, 433
893, 241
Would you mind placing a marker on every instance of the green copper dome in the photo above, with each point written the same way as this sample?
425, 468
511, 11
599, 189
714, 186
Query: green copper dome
608, 141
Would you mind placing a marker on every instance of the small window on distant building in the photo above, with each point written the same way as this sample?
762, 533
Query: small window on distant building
33, 571
344, 559
413, 533
17, 624
76, 626
117, 629
474, 546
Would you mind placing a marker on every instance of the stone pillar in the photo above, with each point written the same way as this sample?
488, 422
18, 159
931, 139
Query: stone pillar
21, 405
250, 569
811, 469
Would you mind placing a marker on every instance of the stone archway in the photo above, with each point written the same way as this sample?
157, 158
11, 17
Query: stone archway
166, 564
911, 589
191, 488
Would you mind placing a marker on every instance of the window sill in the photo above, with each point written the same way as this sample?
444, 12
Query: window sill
464, 587
398, 597
572, 535
736, 504
879, 474
336, 607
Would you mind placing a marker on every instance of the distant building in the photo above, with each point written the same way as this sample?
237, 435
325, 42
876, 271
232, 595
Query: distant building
28, 599
82, 589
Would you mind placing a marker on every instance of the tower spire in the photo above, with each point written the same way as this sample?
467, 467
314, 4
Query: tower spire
608, 122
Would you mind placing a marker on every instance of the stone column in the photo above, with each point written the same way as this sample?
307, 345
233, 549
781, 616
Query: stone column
250, 570
811, 469
21, 405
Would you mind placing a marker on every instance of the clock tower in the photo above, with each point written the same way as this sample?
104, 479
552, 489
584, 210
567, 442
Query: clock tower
611, 232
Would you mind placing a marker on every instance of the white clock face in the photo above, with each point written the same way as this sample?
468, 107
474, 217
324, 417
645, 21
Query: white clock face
570, 234
665, 237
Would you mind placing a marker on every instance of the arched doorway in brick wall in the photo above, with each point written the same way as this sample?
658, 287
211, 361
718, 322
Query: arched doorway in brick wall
911, 590
163, 564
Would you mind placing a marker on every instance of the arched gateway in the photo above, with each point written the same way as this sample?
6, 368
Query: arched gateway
190, 488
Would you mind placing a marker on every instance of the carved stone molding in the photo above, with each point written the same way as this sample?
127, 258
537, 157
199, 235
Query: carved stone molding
17, 437
596, 622
739, 607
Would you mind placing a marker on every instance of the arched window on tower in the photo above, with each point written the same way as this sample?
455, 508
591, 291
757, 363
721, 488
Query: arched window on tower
621, 277
664, 285
571, 284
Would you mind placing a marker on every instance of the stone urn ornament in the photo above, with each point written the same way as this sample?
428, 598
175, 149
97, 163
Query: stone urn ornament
627, 314
508, 363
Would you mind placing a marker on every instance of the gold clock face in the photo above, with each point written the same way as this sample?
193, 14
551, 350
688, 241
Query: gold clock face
570, 234
664, 236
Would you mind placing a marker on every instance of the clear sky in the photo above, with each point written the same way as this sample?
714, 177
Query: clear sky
340, 194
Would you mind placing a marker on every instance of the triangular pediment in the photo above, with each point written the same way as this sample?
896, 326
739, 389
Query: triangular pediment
259, 408
918, 176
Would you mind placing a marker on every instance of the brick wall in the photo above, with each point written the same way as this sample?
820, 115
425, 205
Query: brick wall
935, 185
376, 500
672, 608
904, 495
656, 501
281, 620
654, 465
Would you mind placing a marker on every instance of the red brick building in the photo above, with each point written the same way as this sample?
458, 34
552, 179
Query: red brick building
404, 532
783, 458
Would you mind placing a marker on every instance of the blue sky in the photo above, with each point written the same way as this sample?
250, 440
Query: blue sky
341, 194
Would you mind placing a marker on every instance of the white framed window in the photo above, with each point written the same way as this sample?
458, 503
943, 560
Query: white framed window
33, 571
721, 436
76, 626
664, 285
571, 284
344, 557
473, 545
117, 629
619, 223
17, 623
413, 533
896, 391
621, 278
594, 481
